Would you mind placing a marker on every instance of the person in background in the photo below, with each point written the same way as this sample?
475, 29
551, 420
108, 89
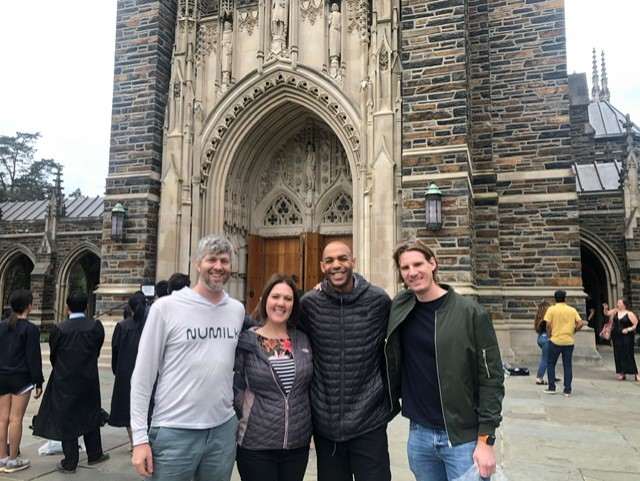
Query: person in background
623, 332
540, 326
563, 321
444, 361
71, 402
20, 372
161, 289
273, 371
188, 344
124, 349
178, 281
346, 321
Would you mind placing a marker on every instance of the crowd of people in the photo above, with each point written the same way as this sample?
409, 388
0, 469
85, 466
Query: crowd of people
201, 386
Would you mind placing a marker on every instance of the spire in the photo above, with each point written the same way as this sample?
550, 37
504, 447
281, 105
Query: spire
604, 91
595, 88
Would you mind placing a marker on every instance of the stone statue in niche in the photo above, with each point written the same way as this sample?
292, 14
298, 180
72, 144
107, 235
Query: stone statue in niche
279, 17
227, 51
310, 167
335, 39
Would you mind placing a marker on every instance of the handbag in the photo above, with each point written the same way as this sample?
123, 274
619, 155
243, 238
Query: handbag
605, 334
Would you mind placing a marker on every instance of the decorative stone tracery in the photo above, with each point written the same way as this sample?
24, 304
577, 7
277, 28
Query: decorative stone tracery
301, 84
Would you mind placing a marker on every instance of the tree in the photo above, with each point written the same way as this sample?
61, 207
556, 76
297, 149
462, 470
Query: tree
76, 193
22, 177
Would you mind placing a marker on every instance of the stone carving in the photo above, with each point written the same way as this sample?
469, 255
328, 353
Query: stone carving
248, 20
206, 42
339, 210
357, 16
227, 51
298, 84
310, 11
282, 212
335, 40
310, 167
384, 60
279, 17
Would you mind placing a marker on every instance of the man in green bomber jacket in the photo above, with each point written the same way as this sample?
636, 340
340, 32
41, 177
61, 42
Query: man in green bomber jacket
444, 361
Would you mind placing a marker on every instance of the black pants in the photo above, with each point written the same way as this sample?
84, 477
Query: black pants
272, 464
365, 457
92, 442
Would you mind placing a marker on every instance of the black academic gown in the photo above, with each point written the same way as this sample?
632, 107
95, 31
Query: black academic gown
71, 402
124, 349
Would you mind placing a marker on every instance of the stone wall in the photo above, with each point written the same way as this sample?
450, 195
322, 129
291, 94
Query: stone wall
499, 66
75, 237
144, 43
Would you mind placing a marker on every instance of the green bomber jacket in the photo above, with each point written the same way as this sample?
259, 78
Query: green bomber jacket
469, 366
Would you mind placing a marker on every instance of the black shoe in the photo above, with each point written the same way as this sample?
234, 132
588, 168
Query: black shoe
102, 458
60, 468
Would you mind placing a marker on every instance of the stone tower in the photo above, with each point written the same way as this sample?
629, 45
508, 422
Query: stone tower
285, 125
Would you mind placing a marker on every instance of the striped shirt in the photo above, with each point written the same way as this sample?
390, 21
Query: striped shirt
280, 354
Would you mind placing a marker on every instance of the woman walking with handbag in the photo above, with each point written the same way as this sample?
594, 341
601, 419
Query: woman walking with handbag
623, 330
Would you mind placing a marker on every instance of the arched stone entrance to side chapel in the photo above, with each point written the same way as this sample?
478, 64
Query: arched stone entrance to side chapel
281, 184
601, 276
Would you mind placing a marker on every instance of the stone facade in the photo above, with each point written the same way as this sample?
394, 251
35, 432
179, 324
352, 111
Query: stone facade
144, 45
50, 247
267, 125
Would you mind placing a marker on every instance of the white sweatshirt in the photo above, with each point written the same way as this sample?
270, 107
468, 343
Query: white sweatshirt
190, 344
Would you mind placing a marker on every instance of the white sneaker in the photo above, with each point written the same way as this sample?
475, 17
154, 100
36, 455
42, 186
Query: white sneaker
17, 464
3, 463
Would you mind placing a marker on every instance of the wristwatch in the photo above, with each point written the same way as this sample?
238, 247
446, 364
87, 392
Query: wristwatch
489, 439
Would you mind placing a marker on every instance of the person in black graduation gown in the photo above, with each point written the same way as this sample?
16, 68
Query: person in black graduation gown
124, 349
71, 402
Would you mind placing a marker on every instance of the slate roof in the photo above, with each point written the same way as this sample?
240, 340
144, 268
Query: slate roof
598, 176
75, 208
608, 121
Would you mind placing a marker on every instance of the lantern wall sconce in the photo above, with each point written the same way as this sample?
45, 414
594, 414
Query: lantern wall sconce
433, 207
117, 222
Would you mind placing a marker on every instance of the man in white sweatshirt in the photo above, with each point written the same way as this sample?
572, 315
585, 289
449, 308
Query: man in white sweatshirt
188, 343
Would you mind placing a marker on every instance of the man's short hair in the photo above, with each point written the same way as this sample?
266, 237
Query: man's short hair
178, 281
77, 301
413, 244
560, 295
162, 288
214, 244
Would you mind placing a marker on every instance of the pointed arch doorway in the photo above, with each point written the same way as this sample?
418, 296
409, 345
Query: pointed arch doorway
295, 193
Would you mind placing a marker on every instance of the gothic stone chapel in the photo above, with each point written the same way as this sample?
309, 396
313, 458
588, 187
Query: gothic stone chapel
286, 124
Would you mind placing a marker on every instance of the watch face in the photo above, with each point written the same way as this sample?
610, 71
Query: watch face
491, 440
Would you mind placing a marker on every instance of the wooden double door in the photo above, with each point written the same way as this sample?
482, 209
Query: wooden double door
298, 257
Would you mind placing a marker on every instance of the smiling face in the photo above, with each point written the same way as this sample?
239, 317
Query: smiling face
215, 270
279, 303
418, 274
338, 265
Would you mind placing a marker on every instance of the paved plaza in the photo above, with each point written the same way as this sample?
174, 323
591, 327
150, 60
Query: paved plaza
592, 436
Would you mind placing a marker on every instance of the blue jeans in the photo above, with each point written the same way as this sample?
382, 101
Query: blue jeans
431, 458
567, 355
543, 342
198, 454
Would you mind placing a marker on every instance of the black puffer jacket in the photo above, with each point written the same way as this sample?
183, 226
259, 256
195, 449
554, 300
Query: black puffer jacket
269, 419
347, 331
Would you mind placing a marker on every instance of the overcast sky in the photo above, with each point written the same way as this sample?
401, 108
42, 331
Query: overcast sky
57, 74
